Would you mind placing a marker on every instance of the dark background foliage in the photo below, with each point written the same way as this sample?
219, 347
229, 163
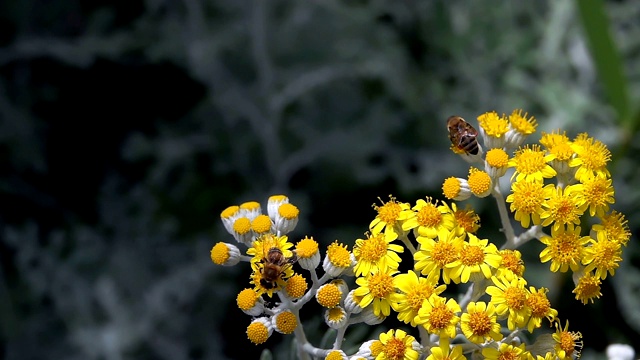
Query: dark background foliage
127, 126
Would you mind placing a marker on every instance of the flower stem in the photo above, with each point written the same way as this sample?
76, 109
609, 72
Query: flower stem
504, 214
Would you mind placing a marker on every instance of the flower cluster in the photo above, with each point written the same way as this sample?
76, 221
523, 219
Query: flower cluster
413, 255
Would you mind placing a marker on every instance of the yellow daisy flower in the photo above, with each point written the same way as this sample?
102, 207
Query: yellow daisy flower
567, 342
603, 256
466, 220
561, 206
526, 200
592, 157
596, 195
444, 352
413, 291
531, 164
429, 218
510, 296
506, 351
390, 217
615, 227
398, 345
439, 316
540, 307
376, 253
378, 289
432, 256
479, 323
477, 258
565, 248
588, 288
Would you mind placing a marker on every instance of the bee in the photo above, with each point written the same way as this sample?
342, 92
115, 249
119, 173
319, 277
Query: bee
462, 135
274, 266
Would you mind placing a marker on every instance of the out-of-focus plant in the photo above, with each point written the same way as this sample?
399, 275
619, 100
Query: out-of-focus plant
555, 187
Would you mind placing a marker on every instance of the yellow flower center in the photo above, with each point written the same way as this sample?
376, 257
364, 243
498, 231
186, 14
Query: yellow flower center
286, 322
562, 151
242, 225
376, 348
278, 198
529, 160
588, 288
288, 211
497, 158
381, 285
480, 323
451, 187
440, 316
597, 191
389, 211
417, 295
563, 209
512, 262
616, 227
444, 252
329, 295
566, 247
595, 156
493, 124
246, 299
429, 215
257, 332
515, 297
568, 342
229, 212
220, 253
550, 140
336, 314
508, 355
521, 124
472, 255
339, 255
250, 205
334, 355
306, 248
261, 224
539, 304
479, 181
373, 248
527, 196
606, 254
394, 349
296, 286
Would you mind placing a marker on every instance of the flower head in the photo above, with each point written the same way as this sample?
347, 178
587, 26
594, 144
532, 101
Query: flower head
337, 259
493, 129
389, 218
225, 254
567, 342
479, 182
229, 216
284, 322
259, 330
432, 256
479, 323
429, 218
561, 206
526, 200
596, 195
274, 203
477, 258
466, 220
456, 189
540, 307
261, 224
250, 209
329, 295
506, 351
250, 302
496, 162
510, 296
377, 288
615, 227
520, 126
307, 251
560, 147
398, 345
603, 256
241, 230
588, 288
296, 286
286, 218
511, 265
565, 248
439, 316
336, 355
444, 352
592, 157
376, 253
335, 317
413, 291
531, 164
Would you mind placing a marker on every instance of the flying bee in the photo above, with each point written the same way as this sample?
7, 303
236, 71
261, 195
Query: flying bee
462, 135
274, 267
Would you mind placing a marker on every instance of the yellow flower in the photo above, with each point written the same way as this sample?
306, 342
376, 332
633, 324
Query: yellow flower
565, 248
261, 224
479, 323
251, 209
284, 322
522, 124
496, 162
413, 290
229, 216
466, 219
261, 246
588, 288
494, 129
561, 206
506, 351
603, 256
376, 253
337, 260
457, 189
592, 158
444, 352
429, 218
398, 345
511, 265
225, 254
389, 218
479, 182
328, 295
567, 342
307, 251
476, 259
250, 302
510, 296
259, 330
615, 227
540, 307
379, 289
336, 355
335, 317
596, 195
439, 316
531, 164
296, 286
560, 147
432, 256
526, 200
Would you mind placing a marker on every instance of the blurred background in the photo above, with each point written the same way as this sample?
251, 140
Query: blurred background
126, 127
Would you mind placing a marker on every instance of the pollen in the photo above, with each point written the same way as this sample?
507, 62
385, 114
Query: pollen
306, 248
472, 255
429, 215
497, 158
328, 295
250, 206
451, 187
242, 225
261, 224
285, 322
220, 253
538, 303
521, 123
480, 323
444, 252
440, 316
376, 348
246, 299
288, 211
336, 314
588, 288
493, 124
515, 297
389, 211
257, 332
394, 349
296, 286
562, 151
479, 182
338, 255
229, 212
381, 285
527, 196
